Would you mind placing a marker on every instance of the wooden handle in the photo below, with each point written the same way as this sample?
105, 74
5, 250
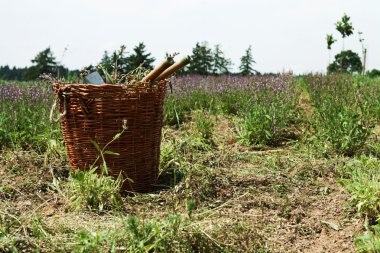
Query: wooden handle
157, 71
173, 68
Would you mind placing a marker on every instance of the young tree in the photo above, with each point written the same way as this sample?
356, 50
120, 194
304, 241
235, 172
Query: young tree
44, 62
202, 59
344, 27
330, 40
139, 57
346, 61
246, 62
220, 64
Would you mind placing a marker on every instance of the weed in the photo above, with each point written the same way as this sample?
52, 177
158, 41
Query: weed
343, 113
370, 240
87, 189
374, 149
362, 179
91, 242
344, 129
204, 126
267, 119
151, 236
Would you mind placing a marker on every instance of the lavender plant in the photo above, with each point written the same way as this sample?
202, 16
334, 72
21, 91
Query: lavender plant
24, 115
268, 115
343, 120
219, 94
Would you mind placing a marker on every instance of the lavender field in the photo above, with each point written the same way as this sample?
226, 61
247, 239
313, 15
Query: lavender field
277, 163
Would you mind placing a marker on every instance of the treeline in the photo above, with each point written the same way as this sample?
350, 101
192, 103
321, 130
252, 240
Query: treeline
43, 63
206, 60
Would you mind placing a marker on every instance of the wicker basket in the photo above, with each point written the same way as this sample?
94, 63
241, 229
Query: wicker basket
97, 112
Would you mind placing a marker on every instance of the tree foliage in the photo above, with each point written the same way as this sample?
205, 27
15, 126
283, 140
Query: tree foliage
43, 62
202, 59
374, 73
139, 57
8, 73
205, 61
220, 64
344, 26
330, 40
346, 62
246, 62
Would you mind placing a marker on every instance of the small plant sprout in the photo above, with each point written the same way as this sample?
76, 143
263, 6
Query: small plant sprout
103, 151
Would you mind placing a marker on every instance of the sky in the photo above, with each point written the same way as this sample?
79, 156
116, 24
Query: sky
284, 34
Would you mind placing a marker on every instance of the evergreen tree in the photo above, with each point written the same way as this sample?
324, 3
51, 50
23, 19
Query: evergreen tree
44, 62
106, 61
220, 65
246, 62
5, 73
202, 59
139, 57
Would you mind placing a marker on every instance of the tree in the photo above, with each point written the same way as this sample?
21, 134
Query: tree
346, 61
246, 62
344, 27
137, 58
220, 65
374, 73
330, 40
44, 62
7, 73
202, 59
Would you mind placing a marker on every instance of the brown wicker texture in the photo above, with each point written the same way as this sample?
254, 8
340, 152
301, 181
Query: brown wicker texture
96, 113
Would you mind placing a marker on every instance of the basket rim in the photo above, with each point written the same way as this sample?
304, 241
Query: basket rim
109, 84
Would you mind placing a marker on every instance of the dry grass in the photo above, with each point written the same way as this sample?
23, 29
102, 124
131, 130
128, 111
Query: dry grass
277, 200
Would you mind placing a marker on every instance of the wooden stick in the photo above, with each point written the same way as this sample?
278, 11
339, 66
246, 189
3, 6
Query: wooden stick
157, 71
173, 68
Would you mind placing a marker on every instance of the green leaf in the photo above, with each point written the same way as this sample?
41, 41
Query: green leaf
117, 136
107, 152
96, 145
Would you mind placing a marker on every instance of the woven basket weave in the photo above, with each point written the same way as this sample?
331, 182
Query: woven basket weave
97, 112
